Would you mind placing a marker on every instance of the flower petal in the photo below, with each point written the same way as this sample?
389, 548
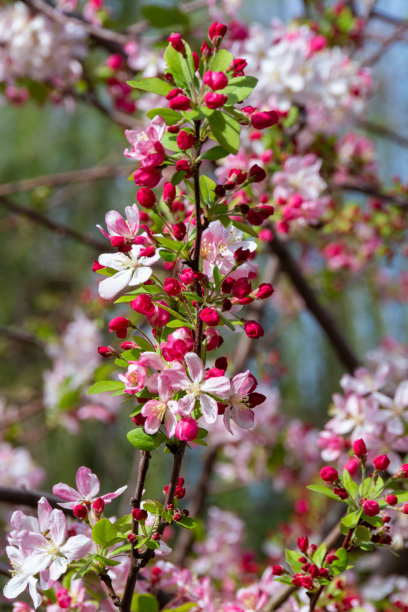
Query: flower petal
58, 527
195, 367
111, 286
87, 483
209, 408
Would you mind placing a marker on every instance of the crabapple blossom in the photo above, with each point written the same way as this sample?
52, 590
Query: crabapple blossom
146, 145
155, 410
134, 378
118, 227
241, 400
87, 490
132, 270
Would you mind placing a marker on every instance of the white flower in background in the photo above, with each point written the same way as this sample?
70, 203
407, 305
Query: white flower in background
37, 48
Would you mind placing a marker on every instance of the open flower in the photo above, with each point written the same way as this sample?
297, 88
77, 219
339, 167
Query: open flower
241, 401
155, 410
117, 226
145, 142
134, 378
197, 388
88, 490
132, 270
20, 577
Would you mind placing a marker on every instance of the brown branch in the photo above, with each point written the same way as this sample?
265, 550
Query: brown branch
19, 335
391, 19
106, 579
382, 130
372, 191
59, 228
25, 497
64, 178
322, 316
396, 36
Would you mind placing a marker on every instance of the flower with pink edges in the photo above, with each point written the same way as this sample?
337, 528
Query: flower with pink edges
197, 388
118, 227
154, 410
145, 143
134, 378
241, 401
87, 490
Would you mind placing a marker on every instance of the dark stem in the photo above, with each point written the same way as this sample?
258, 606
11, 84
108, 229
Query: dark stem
106, 579
198, 339
315, 598
24, 497
134, 557
323, 317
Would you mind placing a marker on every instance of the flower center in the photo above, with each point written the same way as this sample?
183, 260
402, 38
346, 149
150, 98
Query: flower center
194, 389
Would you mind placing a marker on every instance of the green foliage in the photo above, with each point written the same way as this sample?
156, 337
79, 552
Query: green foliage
103, 533
169, 115
319, 555
340, 564
215, 153
152, 84
222, 60
143, 602
103, 386
324, 491
292, 558
207, 187
226, 130
143, 441
351, 520
239, 88
163, 16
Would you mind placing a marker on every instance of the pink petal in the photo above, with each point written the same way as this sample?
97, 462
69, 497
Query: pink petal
170, 423
227, 419
132, 216
186, 405
244, 418
63, 491
109, 496
44, 514
87, 483
152, 423
195, 367
58, 567
219, 385
165, 388
209, 408
58, 527
76, 547
116, 223
152, 360
243, 383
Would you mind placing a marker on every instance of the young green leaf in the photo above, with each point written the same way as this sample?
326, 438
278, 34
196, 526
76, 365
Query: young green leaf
226, 131
222, 60
103, 386
144, 602
351, 520
103, 532
324, 491
292, 558
169, 115
239, 88
152, 84
143, 441
319, 555
215, 153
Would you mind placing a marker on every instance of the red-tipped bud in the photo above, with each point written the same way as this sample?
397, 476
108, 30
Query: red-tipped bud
264, 119
210, 316
180, 492
206, 51
277, 570
216, 32
147, 176
329, 474
146, 197
143, 304
227, 283
303, 544
173, 93
187, 429
371, 507
253, 329
120, 326
80, 511
98, 505
215, 80
359, 448
242, 255
180, 102
177, 43
179, 230
138, 514
169, 193
214, 100
172, 286
241, 288
381, 462
106, 351
391, 499
264, 291
185, 140
256, 174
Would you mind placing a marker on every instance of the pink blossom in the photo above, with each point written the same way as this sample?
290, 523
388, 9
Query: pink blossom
396, 409
134, 378
218, 246
197, 388
87, 490
118, 226
155, 410
146, 145
239, 407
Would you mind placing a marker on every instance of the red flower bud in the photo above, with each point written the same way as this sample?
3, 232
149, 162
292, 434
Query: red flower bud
139, 514
177, 43
253, 329
381, 462
264, 119
214, 100
241, 255
147, 176
303, 544
256, 174
277, 570
173, 93
405, 509
80, 511
264, 291
210, 316
172, 286
359, 448
403, 471
183, 165
120, 326
169, 193
206, 51
185, 140
196, 60
227, 283
106, 351
97, 266
139, 419
216, 32
143, 304
98, 505
254, 218
241, 288
391, 499
179, 230
215, 80
371, 507
180, 492
329, 474
146, 197
187, 429
180, 102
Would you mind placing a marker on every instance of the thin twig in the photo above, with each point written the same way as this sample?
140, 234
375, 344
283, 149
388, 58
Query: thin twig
322, 316
59, 228
25, 497
384, 131
85, 175
369, 190
106, 579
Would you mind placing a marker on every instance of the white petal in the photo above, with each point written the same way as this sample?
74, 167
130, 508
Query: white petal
209, 408
117, 261
58, 567
110, 287
195, 367
140, 276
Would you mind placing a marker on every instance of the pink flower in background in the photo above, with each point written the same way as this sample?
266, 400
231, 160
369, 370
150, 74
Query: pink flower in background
88, 490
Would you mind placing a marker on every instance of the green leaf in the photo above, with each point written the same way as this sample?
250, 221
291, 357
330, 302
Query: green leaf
351, 520
153, 506
103, 532
85, 567
164, 16
144, 344
283, 579
177, 177
226, 131
169, 141
292, 558
173, 245
152, 84
248, 229
207, 187
187, 522
168, 255
324, 491
103, 386
176, 323
144, 602
363, 534
182, 68
338, 566
319, 555
402, 496
143, 441
215, 153
364, 487
349, 484
239, 88
217, 276
222, 60
169, 115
